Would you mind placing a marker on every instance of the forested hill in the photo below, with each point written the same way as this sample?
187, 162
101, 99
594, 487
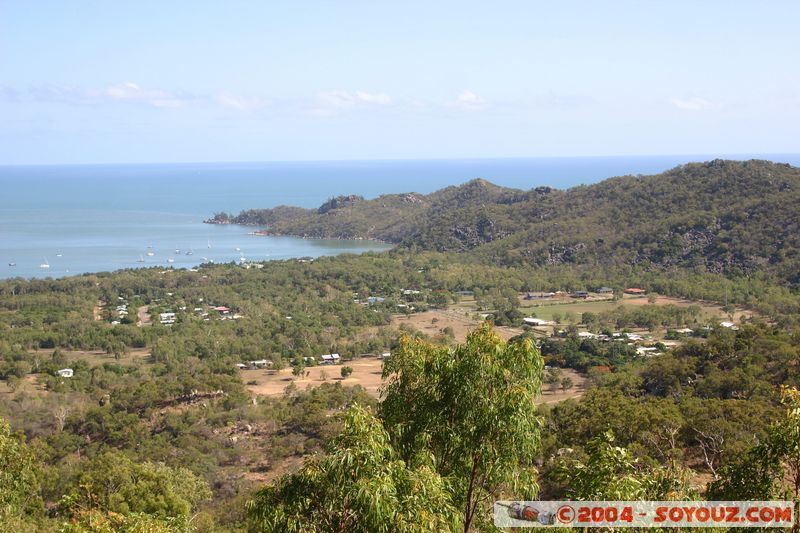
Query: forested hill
722, 216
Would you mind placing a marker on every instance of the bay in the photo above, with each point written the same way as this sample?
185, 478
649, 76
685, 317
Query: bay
92, 218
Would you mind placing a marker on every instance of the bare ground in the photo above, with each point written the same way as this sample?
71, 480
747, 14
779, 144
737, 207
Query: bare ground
366, 372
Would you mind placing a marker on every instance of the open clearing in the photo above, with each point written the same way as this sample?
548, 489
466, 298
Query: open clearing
546, 308
433, 322
367, 373
97, 357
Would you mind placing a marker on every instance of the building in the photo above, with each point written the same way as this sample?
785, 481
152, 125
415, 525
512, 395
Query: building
580, 294
261, 363
330, 359
167, 318
635, 291
65, 373
385, 355
605, 290
532, 321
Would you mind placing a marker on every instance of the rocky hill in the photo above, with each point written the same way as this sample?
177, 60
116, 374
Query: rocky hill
721, 216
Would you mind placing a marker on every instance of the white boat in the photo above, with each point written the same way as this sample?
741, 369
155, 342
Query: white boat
150, 252
45, 264
190, 252
59, 254
209, 244
141, 259
238, 249
170, 260
177, 251
12, 264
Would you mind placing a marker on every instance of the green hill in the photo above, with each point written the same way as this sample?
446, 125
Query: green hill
721, 216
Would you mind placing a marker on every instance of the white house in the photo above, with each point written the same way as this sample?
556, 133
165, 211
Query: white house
645, 352
167, 318
65, 372
531, 321
261, 363
330, 359
586, 335
385, 355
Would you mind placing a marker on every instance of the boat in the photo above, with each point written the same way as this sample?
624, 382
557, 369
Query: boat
150, 252
59, 254
190, 252
177, 251
238, 249
141, 259
209, 244
170, 260
45, 264
12, 264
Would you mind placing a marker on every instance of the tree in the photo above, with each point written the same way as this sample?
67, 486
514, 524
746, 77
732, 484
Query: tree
19, 476
113, 482
346, 371
611, 473
471, 407
360, 485
299, 367
771, 468
566, 383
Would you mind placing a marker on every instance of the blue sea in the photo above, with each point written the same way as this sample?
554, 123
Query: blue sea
93, 218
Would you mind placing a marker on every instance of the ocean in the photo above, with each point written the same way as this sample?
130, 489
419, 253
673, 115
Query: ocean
94, 218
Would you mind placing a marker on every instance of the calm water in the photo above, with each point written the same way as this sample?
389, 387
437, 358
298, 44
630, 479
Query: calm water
99, 218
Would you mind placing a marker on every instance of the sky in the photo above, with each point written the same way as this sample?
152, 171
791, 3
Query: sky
194, 81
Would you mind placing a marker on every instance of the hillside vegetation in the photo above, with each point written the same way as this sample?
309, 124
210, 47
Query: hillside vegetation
725, 217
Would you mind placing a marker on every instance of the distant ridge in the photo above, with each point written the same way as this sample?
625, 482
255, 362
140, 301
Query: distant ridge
722, 216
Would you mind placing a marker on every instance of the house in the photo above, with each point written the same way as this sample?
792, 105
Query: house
646, 352
586, 335
167, 318
261, 363
222, 309
605, 290
65, 373
539, 295
633, 337
580, 294
684, 331
375, 299
330, 359
465, 293
635, 290
385, 355
241, 366
532, 321
729, 325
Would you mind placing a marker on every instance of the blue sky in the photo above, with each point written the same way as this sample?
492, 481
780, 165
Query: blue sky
103, 82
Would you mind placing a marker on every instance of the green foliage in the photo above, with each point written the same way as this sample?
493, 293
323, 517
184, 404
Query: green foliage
360, 485
471, 407
19, 477
112, 482
611, 473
